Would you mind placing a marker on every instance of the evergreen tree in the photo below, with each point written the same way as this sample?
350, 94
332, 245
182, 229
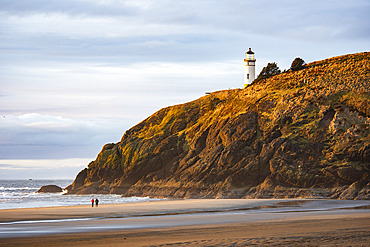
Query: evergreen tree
297, 64
270, 70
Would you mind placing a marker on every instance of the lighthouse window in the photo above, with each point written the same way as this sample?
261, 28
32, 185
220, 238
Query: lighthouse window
248, 76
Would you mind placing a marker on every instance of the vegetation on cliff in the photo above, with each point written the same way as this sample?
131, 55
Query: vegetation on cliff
270, 70
301, 133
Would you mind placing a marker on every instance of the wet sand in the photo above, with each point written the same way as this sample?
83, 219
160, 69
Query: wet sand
198, 223
128, 209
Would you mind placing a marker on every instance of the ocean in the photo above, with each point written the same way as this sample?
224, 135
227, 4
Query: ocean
22, 194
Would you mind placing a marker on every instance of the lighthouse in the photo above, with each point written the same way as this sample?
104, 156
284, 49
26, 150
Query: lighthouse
249, 68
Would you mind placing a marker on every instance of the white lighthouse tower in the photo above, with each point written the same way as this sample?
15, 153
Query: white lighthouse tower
249, 68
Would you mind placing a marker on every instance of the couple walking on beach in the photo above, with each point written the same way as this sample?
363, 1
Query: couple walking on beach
96, 202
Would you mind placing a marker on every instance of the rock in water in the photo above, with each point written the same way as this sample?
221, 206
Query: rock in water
50, 189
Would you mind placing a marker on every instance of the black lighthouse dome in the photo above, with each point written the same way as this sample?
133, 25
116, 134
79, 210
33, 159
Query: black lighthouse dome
250, 51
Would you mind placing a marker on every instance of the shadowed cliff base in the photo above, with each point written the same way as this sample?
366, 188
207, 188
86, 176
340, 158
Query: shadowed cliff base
302, 134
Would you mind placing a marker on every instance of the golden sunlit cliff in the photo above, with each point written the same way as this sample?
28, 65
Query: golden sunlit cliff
302, 134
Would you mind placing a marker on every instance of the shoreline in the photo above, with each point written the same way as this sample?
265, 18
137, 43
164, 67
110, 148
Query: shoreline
174, 207
345, 231
146, 208
246, 221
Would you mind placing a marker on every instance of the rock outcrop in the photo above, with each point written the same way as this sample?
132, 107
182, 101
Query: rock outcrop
302, 134
50, 189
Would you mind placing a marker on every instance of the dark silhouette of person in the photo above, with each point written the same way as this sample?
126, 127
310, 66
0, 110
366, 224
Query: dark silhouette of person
96, 202
92, 202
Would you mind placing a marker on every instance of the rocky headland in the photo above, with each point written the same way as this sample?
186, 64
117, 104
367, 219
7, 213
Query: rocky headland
299, 134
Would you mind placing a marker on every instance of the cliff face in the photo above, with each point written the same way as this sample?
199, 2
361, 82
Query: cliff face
297, 134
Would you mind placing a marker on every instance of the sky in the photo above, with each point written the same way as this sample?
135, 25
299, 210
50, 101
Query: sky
76, 74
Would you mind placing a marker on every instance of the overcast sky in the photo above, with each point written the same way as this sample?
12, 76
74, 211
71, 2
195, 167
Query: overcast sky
76, 74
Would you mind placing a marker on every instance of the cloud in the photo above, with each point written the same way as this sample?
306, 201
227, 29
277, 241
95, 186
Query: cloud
159, 28
51, 123
35, 136
43, 163
41, 168
34, 128
74, 110
102, 91
68, 7
129, 32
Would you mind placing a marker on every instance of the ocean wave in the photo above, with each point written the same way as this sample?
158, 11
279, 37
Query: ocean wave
20, 188
22, 194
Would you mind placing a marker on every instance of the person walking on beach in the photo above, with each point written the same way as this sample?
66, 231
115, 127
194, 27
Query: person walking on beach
92, 202
96, 202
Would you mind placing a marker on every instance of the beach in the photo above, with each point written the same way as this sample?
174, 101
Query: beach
191, 222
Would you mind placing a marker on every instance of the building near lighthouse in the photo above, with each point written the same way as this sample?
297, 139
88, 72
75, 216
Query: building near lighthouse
249, 68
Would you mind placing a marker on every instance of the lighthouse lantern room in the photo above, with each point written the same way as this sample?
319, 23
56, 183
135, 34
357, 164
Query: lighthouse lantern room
249, 68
